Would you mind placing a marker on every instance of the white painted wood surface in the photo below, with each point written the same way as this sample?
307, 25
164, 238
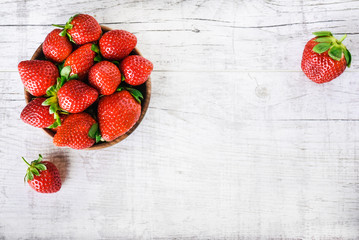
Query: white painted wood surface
237, 142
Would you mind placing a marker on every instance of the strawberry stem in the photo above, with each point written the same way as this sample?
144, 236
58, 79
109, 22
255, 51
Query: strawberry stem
342, 39
60, 26
26, 161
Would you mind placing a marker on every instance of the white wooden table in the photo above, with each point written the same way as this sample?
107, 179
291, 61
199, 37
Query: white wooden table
237, 143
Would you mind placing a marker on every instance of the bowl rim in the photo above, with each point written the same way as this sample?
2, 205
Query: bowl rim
144, 103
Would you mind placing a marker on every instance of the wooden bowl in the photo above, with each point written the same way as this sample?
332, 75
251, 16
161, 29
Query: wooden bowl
144, 88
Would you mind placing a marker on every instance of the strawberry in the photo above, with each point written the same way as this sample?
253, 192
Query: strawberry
75, 96
43, 176
38, 75
81, 29
324, 57
81, 60
117, 113
136, 69
55, 47
74, 131
36, 114
105, 77
117, 44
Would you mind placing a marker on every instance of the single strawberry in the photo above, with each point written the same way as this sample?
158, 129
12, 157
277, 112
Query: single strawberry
325, 57
55, 47
117, 113
36, 114
52, 102
43, 176
75, 96
38, 75
117, 44
105, 77
136, 69
81, 29
81, 60
74, 131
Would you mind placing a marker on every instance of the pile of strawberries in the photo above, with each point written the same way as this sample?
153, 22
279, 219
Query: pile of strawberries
84, 89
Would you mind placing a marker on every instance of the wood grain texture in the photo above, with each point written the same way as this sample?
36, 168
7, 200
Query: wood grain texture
192, 35
236, 144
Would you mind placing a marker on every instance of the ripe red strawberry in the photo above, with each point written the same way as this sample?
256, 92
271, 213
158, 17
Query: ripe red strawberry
75, 96
136, 69
38, 75
43, 176
36, 114
81, 60
81, 29
117, 113
105, 77
56, 47
74, 131
117, 44
324, 57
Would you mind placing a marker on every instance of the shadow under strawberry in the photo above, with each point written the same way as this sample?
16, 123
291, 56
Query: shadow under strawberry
61, 160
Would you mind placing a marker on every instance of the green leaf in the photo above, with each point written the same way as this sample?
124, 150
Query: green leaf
348, 57
119, 89
71, 18
30, 175
56, 114
116, 62
49, 101
336, 52
70, 38
321, 47
325, 39
51, 91
52, 109
93, 130
60, 82
34, 171
65, 71
37, 160
123, 78
98, 138
73, 76
98, 58
95, 48
63, 33
41, 166
323, 34
136, 94
54, 125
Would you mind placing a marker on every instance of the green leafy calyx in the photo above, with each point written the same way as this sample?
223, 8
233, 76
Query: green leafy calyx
327, 42
34, 168
134, 92
66, 27
51, 94
95, 132
96, 49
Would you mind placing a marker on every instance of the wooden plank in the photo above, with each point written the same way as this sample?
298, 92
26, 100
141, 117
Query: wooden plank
192, 35
236, 96
210, 160
172, 178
